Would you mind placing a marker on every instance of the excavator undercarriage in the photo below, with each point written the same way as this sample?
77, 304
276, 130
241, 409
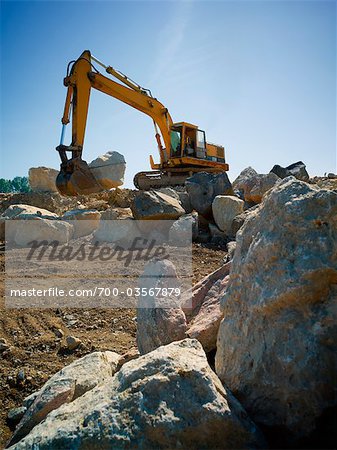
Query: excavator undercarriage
155, 179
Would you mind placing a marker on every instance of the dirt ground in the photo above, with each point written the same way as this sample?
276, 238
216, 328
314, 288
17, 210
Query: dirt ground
36, 352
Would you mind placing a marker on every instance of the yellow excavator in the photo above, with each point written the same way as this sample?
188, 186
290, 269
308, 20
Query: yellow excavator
183, 149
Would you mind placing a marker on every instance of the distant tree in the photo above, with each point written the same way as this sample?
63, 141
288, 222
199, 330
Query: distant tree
25, 186
18, 184
5, 185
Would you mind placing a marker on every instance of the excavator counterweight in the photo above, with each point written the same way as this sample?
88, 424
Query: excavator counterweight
182, 147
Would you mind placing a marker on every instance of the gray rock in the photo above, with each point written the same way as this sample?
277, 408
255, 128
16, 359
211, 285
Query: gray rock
21, 211
297, 170
237, 223
217, 236
58, 333
240, 181
184, 230
109, 169
253, 186
225, 208
169, 191
15, 414
27, 401
84, 221
277, 341
203, 187
185, 201
72, 342
205, 325
20, 224
169, 398
179, 193
65, 386
239, 220
158, 326
116, 225
42, 179
3, 345
154, 205
21, 376
22, 232
258, 185
231, 246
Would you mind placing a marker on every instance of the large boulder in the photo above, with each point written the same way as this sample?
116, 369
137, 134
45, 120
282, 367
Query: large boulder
21, 211
240, 181
84, 221
158, 326
225, 208
277, 342
169, 398
258, 185
42, 179
252, 186
52, 202
109, 169
297, 170
153, 205
203, 187
116, 225
65, 386
22, 232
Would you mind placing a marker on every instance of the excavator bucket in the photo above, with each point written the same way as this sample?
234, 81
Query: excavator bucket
76, 178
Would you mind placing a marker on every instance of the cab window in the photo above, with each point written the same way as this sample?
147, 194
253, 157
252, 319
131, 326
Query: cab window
201, 140
175, 143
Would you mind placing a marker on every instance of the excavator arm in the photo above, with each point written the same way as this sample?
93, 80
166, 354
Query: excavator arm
75, 176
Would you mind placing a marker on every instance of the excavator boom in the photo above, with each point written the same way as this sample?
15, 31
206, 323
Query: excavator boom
75, 176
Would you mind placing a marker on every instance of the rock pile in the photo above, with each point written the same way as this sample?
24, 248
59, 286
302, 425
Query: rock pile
141, 407
269, 314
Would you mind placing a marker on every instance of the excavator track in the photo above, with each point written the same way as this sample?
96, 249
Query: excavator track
156, 179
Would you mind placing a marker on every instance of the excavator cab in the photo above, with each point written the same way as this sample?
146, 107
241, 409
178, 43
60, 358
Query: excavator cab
187, 141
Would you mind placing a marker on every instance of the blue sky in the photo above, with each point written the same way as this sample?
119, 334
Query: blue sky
258, 76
